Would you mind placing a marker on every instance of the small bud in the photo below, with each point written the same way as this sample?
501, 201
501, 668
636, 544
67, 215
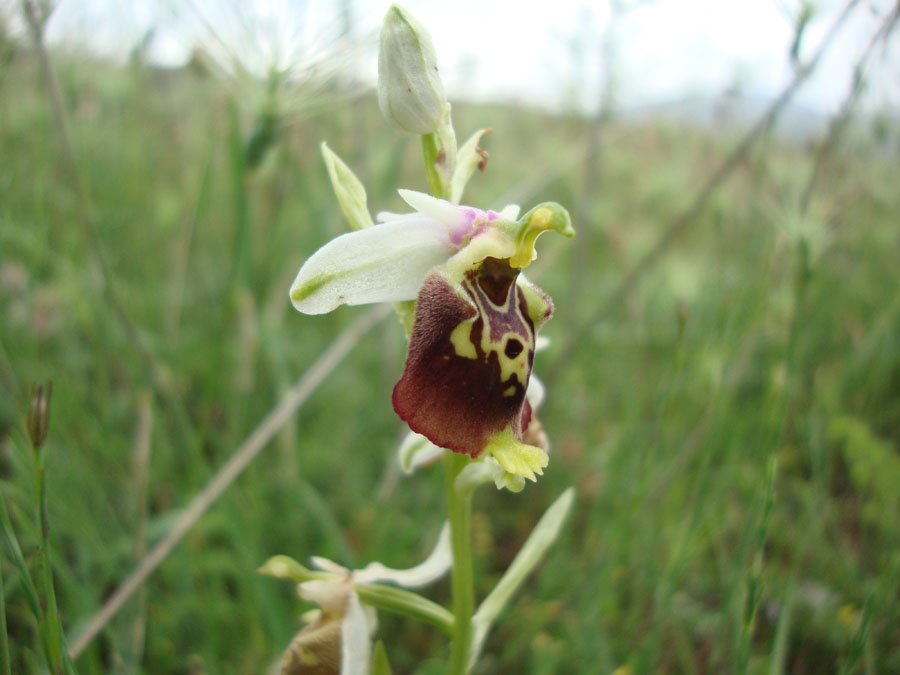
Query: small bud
410, 91
39, 414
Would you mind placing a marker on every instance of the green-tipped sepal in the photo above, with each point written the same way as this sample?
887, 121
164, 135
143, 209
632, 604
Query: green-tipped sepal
348, 189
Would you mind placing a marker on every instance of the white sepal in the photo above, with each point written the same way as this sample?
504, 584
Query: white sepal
510, 212
327, 565
436, 565
417, 451
384, 263
329, 594
450, 215
356, 643
535, 393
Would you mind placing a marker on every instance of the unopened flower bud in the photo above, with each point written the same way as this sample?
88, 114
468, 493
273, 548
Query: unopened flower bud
410, 91
39, 414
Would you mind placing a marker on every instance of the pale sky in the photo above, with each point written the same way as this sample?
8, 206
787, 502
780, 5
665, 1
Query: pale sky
548, 53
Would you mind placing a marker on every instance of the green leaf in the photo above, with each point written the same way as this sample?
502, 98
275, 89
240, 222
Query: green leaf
539, 541
12, 543
380, 664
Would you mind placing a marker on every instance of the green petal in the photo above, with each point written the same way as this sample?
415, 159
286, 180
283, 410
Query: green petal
548, 216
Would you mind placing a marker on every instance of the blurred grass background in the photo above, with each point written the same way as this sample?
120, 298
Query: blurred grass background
767, 333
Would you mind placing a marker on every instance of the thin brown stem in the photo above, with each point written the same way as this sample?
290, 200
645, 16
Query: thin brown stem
840, 120
141, 465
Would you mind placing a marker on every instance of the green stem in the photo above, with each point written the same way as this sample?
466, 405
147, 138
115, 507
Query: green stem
4, 641
754, 575
240, 258
9, 535
460, 508
430, 155
57, 659
406, 603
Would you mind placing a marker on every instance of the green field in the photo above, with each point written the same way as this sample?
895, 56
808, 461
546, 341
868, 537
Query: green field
730, 420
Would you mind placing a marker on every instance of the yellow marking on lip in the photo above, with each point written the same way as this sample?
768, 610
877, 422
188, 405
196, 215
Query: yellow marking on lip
517, 366
509, 367
461, 339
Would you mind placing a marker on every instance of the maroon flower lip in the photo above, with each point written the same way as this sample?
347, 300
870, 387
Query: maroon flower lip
470, 358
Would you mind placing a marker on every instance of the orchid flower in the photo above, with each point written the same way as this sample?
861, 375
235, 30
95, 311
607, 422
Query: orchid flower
337, 637
472, 341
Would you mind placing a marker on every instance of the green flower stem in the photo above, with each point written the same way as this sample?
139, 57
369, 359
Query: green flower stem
460, 507
51, 626
407, 603
430, 155
240, 259
4, 641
